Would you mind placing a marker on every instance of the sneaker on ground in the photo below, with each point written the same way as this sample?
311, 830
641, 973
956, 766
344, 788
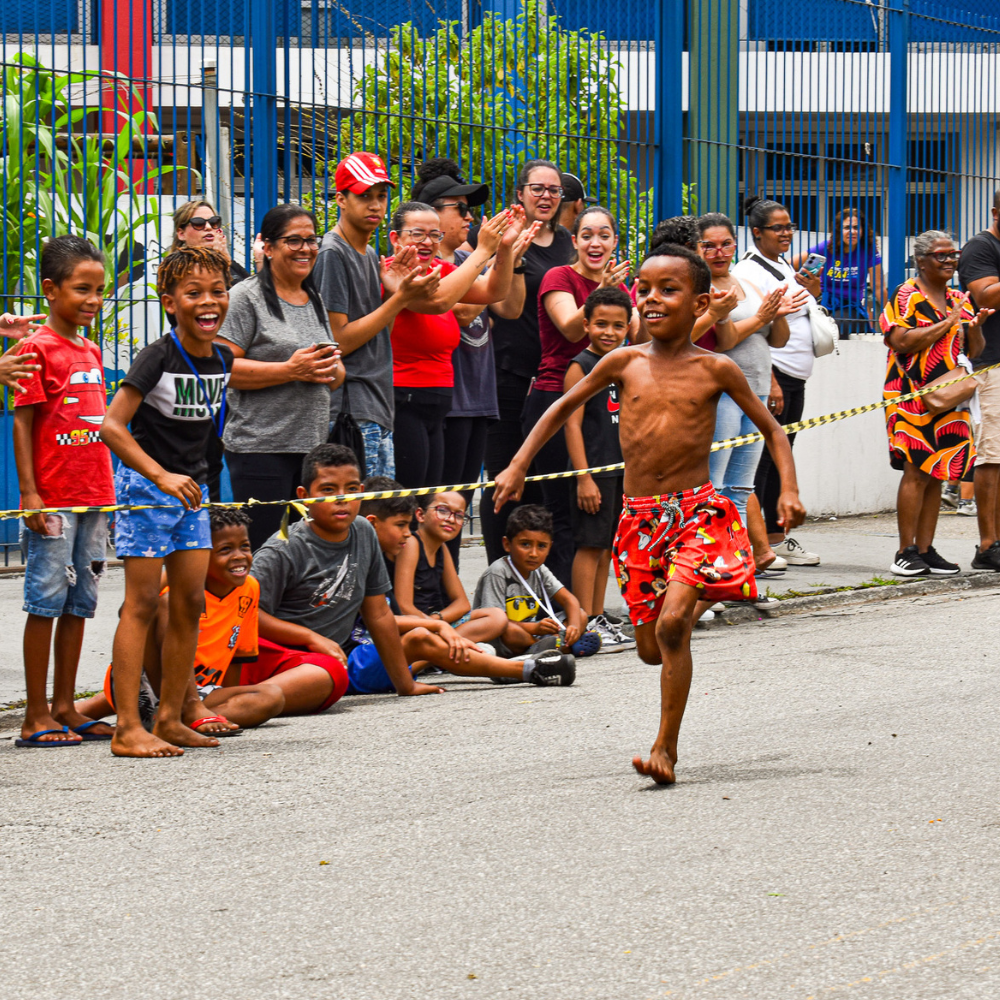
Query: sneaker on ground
485, 647
794, 554
765, 603
622, 625
708, 616
587, 645
718, 607
553, 669
967, 507
909, 563
938, 564
613, 640
949, 496
990, 559
543, 645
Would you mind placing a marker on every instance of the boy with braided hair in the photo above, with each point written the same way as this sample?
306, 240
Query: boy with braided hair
174, 398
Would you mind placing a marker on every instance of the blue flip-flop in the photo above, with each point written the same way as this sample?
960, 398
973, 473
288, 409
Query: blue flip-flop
34, 741
83, 730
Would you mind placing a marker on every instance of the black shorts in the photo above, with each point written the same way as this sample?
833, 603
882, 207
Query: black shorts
597, 531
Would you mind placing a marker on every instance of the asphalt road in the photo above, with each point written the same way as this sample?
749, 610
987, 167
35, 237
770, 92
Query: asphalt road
833, 833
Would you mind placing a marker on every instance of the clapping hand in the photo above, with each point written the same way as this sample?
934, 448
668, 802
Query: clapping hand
721, 303
981, 317
793, 302
14, 366
615, 273
393, 271
492, 231
17, 327
524, 240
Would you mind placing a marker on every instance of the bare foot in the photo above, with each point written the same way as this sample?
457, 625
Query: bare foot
46, 721
765, 559
180, 735
73, 719
659, 767
136, 742
209, 727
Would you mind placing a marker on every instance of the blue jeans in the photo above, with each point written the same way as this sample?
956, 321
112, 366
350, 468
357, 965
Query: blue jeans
61, 571
732, 470
380, 459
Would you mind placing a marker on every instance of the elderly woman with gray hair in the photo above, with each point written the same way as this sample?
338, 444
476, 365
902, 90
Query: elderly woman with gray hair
928, 327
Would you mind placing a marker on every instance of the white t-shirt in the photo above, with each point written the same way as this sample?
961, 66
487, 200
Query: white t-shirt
796, 358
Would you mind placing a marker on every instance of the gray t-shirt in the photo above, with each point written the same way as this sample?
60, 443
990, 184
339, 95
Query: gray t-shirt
499, 587
294, 417
320, 584
753, 355
349, 283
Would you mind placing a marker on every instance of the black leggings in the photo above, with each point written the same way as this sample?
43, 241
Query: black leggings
418, 436
265, 477
767, 484
464, 448
556, 493
503, 438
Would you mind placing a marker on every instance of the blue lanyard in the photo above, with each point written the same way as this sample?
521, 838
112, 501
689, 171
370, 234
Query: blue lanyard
220, 422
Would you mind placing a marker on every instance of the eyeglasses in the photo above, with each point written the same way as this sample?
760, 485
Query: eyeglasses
945, 256
298, 242
420, 235
777, 230
711, 250
213, 222
539, 189
447, 514
463, 210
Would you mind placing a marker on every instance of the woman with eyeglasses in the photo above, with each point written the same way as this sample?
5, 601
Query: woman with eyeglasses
852, 261
423, 343
928, 327
791, 365
286, 364
197, 224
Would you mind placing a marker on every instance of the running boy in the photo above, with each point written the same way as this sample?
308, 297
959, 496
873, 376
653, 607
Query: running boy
523, 586
678, 540
592, 441
62, 463
432, 640
174, 396
425, 581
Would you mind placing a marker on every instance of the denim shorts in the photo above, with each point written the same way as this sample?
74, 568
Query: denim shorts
154, 534
61, 571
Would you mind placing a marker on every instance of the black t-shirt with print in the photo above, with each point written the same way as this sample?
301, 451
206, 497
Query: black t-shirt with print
172, 424
600, 421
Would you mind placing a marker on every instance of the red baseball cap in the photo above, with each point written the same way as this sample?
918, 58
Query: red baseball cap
361, 171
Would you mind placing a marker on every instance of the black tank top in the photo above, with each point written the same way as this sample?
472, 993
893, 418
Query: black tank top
600, 421
428, 589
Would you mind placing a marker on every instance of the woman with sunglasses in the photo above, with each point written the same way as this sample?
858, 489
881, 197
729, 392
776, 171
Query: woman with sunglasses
791, 365
928, 327
197, 224
423, 342
286, 364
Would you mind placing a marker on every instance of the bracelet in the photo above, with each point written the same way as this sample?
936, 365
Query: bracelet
437, 615
519, 269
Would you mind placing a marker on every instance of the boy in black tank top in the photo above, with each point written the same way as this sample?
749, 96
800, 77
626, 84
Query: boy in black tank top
592, 441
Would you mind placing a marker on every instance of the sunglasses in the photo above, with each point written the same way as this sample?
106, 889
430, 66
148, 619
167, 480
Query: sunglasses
213, 222
463, 210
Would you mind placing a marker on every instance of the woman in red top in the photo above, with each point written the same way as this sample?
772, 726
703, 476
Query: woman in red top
422, 342
560, 326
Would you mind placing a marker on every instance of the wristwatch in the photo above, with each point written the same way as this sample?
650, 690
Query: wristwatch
519, 269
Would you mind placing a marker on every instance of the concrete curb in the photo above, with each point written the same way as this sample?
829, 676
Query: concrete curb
748, 614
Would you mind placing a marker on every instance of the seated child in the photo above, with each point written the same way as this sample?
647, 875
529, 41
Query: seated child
425, 581
433, 640
523, 586
317, 577
592, 441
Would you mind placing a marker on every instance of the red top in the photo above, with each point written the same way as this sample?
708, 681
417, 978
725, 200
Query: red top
72, 465
422, 346
557, 351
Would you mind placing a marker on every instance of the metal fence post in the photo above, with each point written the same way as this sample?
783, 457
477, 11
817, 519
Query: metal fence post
898, 38
668, 119
262, 142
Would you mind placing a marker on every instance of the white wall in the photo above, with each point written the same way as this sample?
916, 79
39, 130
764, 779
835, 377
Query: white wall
843, 467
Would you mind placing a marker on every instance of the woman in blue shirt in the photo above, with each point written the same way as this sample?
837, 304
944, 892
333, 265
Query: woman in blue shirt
852, 260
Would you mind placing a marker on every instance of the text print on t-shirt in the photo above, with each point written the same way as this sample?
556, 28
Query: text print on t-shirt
613, 406
177, 395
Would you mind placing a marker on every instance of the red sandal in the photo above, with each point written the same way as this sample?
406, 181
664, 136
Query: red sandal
214, 718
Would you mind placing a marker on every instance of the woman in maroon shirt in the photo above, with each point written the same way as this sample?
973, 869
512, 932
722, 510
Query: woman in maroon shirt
560, 325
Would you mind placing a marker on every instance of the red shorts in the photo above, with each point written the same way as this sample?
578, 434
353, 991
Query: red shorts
273, 659
694, 537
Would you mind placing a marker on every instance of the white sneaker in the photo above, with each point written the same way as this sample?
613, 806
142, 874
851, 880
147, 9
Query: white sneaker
967, 507
613, 639
795, 555
779, 565
718, 607
485, 647
765, 603
708, 616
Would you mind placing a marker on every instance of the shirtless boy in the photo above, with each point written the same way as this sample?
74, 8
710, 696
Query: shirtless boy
678, 540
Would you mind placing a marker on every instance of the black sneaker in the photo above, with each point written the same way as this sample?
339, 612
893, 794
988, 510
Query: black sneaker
553, 669
990, 559
910, 563
939, 566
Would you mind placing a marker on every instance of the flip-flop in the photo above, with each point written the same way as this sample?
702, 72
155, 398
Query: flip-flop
214, 718
34, 741
82, 730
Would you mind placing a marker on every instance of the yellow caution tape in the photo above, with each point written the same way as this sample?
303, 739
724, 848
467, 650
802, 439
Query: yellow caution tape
735, 442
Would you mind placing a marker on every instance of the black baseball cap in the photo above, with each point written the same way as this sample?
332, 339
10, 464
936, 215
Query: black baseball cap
450, 187
573, 190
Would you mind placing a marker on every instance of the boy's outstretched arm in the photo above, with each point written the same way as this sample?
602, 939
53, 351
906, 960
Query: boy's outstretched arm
382, 626
510, 482
791, 513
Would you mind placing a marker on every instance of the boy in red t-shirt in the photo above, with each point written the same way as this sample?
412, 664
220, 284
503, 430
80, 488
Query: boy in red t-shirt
61, 462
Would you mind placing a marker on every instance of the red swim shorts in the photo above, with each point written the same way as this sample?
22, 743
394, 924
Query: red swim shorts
694, 537
273, 659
